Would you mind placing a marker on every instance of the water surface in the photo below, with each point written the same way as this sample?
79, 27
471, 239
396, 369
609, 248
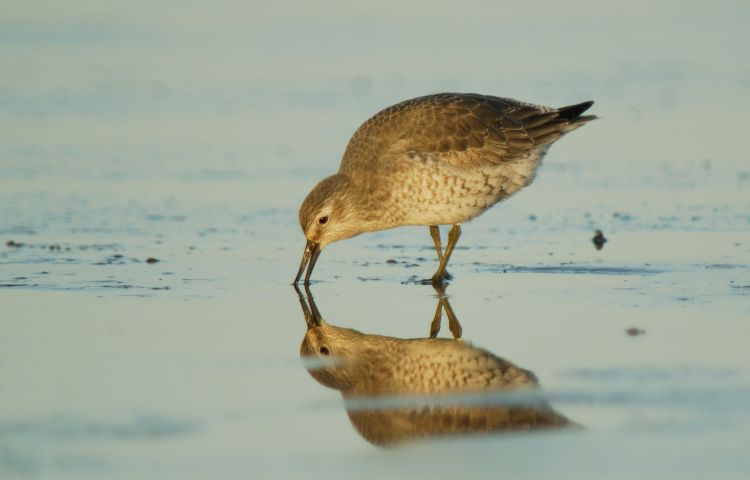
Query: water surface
151, 167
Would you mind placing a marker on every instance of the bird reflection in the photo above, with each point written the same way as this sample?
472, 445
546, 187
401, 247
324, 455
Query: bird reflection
397, 389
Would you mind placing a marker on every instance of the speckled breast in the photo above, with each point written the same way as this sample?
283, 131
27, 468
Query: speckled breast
433, 193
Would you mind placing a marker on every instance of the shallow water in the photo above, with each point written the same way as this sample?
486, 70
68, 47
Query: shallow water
190, 138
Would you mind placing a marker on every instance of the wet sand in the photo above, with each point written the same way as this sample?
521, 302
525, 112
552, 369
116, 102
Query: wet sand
149, 236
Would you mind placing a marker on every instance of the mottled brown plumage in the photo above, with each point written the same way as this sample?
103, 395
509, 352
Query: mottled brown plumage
389, 427
436, 160
375, 364
463, 130
376, 373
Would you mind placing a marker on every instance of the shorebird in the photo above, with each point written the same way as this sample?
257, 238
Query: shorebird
436, 160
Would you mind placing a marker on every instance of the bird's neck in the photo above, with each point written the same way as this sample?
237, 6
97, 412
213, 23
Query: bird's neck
372, 206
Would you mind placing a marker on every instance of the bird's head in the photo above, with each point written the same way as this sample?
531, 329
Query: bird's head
329, 213
337, 357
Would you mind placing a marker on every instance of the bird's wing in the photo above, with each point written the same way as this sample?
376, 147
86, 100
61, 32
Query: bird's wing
463, 130
460, 366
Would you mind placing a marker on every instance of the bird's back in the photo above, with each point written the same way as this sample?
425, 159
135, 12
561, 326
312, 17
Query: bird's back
446, 158
463, 130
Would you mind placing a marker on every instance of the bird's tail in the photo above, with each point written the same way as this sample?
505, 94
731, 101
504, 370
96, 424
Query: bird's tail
574, 117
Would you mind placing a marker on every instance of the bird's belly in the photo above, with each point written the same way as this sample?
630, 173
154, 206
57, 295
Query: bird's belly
434, 194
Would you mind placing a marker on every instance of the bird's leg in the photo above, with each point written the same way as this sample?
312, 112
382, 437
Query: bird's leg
453, 236
435, 234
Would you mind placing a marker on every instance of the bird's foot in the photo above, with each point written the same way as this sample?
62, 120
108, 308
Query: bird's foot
437, 280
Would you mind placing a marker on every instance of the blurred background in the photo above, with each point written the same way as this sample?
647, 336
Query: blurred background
276, 89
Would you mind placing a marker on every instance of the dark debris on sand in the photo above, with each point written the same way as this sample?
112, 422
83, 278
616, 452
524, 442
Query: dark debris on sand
599, 240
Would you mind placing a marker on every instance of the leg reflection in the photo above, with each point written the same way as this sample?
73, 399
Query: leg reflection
444, 305
313, 317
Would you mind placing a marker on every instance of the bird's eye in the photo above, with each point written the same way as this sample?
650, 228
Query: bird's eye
323, 220
324, 350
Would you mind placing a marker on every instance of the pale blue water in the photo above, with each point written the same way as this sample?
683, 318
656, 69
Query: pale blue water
190, 135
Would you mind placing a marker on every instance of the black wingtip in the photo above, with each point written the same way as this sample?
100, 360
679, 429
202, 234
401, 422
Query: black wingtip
573, 112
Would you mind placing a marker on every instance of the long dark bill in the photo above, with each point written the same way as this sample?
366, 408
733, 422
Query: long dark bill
309, 257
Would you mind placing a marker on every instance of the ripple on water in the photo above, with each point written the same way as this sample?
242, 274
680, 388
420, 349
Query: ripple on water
69, 427
572, 269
